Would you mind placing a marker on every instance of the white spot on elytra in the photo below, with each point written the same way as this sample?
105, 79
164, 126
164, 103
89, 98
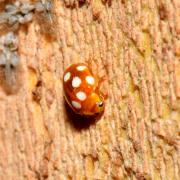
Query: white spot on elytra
81, 95
76, 104
81, 68
67, 76
76, 82
90, 80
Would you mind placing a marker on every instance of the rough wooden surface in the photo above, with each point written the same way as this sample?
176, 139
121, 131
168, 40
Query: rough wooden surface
137, 45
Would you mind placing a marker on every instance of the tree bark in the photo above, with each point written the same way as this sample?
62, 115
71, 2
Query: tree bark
136, 44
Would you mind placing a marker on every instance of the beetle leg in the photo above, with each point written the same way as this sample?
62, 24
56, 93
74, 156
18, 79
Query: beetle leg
102, 91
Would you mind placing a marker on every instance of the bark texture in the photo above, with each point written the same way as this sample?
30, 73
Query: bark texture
136, 44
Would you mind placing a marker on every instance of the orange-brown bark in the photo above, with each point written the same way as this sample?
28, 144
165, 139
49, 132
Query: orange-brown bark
136, 44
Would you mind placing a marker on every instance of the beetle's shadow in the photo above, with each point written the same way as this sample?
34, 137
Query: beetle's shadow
80, 122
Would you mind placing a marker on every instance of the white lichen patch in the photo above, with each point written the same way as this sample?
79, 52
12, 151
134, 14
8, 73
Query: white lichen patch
9, 58
8, 48
17, 12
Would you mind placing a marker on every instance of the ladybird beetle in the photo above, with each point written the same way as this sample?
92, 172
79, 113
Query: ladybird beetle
81, 90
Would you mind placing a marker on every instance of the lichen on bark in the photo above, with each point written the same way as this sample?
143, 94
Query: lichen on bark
136, 45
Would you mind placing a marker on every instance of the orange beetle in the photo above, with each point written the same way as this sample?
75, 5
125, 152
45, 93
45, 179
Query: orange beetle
81, 90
